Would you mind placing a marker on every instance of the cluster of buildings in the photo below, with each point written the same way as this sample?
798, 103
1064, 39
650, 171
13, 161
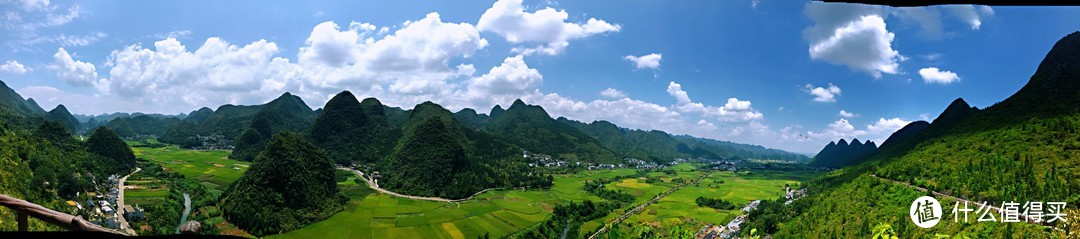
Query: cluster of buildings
791, 194
102, 208
731, 229
212, 142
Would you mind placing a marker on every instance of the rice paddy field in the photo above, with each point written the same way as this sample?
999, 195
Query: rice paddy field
212, 168
144, 191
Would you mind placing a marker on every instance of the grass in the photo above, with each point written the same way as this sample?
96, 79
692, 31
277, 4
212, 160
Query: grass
212, 168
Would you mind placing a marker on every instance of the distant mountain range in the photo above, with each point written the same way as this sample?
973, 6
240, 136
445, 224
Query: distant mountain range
837, 154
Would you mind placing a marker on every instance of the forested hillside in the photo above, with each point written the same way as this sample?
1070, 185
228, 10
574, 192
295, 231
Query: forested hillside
289, 185
1025, 148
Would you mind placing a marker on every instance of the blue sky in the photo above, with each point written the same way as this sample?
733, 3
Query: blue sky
774, 73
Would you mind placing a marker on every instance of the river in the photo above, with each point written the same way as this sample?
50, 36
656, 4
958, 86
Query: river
187, 210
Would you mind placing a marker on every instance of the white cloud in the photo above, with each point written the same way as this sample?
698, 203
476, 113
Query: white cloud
845, 114
546, 26
887, 125
862, 44
613, 93
647, 61
513, 76
331, 47
823, 94
935, 75
734, 110
40, 15
969, 14
14, 67
675, 90
73, 72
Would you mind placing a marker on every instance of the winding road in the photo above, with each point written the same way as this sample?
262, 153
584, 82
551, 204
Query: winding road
436, 199
120, 204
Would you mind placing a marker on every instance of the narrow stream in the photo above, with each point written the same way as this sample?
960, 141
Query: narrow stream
187, 210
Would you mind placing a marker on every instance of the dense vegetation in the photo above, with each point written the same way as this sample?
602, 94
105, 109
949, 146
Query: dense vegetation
530, 127
715, 203
567, 218
289, 185
106, 143
353, 132
286, 113
439, 157
61, 114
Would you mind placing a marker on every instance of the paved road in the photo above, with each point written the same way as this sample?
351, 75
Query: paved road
120, 204
436, 199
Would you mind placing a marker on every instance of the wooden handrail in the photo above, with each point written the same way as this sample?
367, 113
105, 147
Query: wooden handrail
23, 208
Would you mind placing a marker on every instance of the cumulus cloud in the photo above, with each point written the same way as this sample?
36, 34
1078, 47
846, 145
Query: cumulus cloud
612, 93
513, 76
734, 110
861, 44
887, 125
73, 72
845, 114
647, 61
14, 67
823, 94
935, 75
548, 27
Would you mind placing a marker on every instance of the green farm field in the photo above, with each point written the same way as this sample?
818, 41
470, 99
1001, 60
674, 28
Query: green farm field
740, 188
213, 168
501, 213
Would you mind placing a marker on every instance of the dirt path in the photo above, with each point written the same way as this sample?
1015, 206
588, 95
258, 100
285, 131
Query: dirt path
436, 199
120, 204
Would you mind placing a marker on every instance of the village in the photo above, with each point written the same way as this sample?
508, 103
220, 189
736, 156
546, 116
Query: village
733, 227
104, 206
543, 160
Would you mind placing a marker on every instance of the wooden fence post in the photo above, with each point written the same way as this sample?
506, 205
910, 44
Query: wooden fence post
21, 217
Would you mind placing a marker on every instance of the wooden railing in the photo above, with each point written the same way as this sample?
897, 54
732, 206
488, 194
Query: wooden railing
23, 210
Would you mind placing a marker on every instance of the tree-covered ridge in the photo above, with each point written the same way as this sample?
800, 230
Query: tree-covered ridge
530, 127
106, 143
437, 156
61, 114
141, 125
12, 100
351, 131
289, 185
286, 113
